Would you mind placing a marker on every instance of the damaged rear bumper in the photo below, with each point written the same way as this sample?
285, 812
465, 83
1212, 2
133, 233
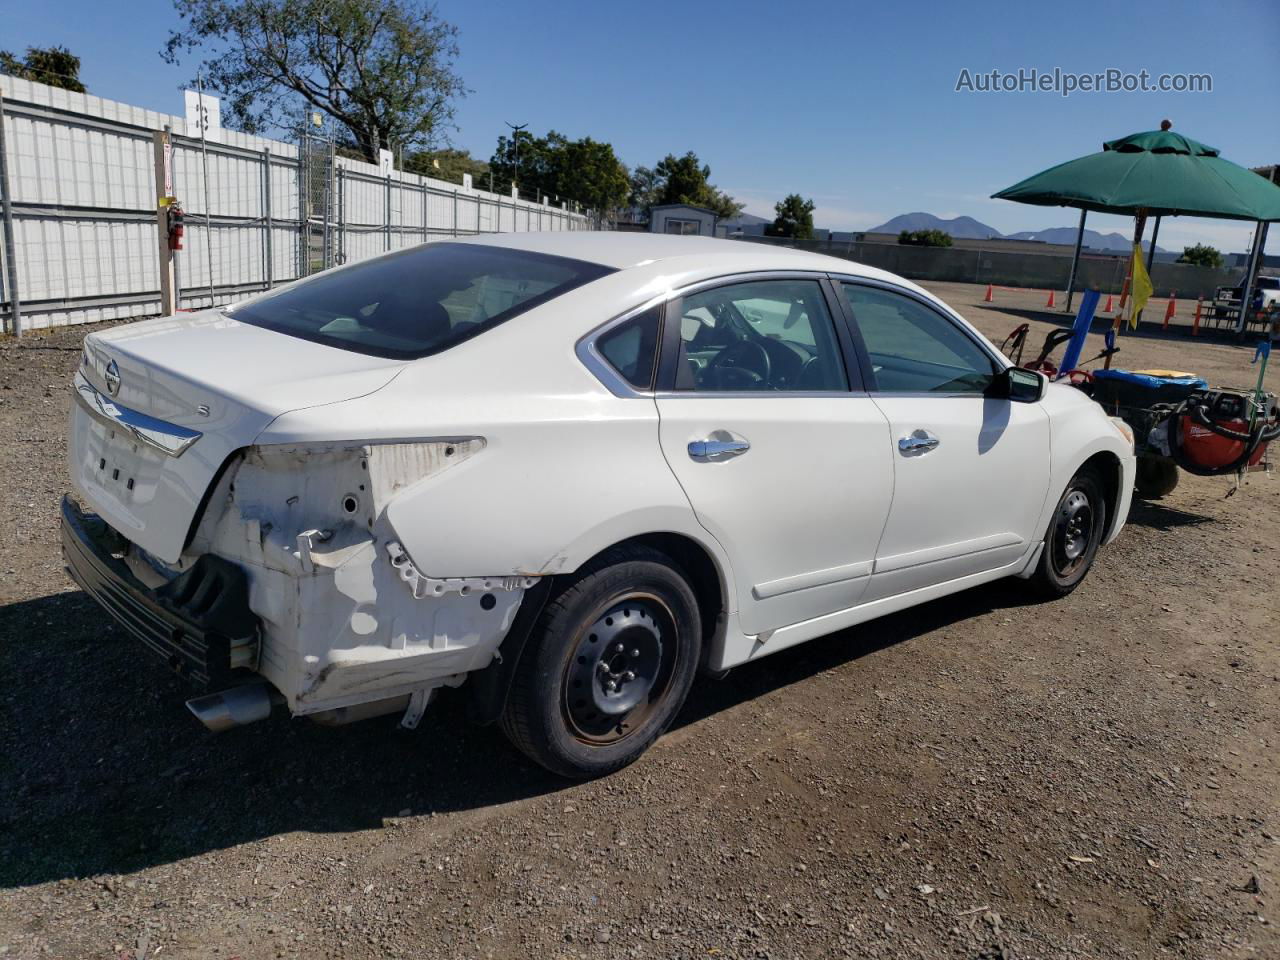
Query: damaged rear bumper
199, 623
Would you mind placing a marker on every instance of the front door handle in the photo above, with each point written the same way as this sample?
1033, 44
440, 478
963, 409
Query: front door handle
713, 451
918, 442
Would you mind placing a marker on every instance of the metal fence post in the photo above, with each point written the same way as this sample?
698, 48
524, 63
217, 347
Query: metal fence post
342, 215
387, 226
326, 237
208, 198
304, 223
426, 197
455, 211
268, 273
10, 254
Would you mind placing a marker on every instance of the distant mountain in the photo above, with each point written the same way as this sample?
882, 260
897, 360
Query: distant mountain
959, 227
977, 230
1092, 238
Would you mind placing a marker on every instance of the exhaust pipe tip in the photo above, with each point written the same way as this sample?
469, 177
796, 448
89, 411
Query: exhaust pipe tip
233, 707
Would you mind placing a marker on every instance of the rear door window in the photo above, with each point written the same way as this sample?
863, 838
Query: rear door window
418, 301
759, 335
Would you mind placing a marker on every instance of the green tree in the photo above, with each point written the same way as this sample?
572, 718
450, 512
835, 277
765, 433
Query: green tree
586, 170
55, 66
523, 159
925, 238
1202, 255
682, 180
794, 218
646, 187
383, 69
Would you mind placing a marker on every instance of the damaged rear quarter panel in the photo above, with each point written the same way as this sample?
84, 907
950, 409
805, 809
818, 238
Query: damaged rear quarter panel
341, 624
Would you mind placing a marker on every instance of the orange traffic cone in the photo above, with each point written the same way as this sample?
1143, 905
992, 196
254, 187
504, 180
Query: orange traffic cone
988, 298
1051, 302
1107, 308
1171, 309
1195, 325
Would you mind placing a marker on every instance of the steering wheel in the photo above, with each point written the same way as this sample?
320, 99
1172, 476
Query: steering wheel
743, 363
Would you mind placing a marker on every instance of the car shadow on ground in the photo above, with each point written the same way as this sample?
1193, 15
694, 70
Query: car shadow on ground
1158, 516
106, 773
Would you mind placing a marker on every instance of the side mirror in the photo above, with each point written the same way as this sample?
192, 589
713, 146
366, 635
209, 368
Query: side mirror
1018, 385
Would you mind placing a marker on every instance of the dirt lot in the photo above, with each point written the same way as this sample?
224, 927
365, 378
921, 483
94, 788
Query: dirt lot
982, 777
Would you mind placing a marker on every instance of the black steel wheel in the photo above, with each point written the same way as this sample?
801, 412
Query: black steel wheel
608, 665
1075, 532
619, 669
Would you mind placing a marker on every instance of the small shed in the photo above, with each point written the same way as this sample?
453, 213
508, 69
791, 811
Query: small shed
683, 219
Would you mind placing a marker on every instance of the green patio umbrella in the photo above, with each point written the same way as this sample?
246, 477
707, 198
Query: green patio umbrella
1156, 173
1161, 173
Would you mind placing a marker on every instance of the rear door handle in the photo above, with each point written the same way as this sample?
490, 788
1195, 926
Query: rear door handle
918, 442
713, 451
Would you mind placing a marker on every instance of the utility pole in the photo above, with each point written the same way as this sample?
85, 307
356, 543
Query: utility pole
515, 140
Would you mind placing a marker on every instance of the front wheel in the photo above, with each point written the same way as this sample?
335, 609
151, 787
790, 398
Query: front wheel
608, 665
1074, 535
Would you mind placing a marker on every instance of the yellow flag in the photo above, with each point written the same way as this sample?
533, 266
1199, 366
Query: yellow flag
1141, 289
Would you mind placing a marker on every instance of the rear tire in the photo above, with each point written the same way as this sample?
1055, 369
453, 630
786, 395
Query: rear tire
608, 665
1075, 532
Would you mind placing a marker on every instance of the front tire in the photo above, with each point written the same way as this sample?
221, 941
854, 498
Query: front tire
1075, 532
608, 665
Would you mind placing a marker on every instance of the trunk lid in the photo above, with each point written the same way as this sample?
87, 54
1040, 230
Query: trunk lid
205, 372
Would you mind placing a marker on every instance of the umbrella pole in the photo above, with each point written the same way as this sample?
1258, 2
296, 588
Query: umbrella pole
1151, 251
1250, 273
1139, 225
1075, 260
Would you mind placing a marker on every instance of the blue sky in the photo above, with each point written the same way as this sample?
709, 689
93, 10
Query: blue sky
851, 104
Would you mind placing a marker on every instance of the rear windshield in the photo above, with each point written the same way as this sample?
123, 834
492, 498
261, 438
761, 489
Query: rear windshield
419, 301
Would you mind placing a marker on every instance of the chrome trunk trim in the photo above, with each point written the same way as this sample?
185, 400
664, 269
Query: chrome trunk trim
169, 438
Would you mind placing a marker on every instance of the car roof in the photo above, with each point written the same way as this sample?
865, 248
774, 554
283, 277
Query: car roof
625, 249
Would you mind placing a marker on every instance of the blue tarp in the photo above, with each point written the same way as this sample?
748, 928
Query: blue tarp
1148, 381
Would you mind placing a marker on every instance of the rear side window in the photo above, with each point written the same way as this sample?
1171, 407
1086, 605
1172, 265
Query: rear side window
632, 348
419, 301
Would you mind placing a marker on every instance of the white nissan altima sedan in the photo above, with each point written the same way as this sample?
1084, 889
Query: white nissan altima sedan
565, 470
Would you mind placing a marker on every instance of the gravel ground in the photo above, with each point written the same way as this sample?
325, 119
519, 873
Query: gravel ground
981, 777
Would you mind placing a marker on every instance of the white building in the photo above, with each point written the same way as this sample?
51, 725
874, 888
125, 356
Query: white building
684, 219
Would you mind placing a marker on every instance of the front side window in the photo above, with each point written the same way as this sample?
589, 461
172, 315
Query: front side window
418, 301
914, 349
762, 335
